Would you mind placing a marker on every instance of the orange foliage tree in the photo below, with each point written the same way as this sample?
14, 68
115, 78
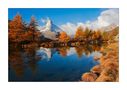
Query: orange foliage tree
64, 37
21, 32
32, 31
79, 33
16, 29
96, 35
87, 34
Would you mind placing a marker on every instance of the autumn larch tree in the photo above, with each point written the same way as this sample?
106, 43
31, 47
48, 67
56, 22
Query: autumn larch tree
16, 29
97, 35
87, 33
79, 33
63, 37
32, 29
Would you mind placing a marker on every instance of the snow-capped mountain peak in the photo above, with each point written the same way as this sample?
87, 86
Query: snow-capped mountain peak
50, 30
50, 26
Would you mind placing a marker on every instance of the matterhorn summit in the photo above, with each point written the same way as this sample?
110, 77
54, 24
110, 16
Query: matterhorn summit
50, 26
50, 30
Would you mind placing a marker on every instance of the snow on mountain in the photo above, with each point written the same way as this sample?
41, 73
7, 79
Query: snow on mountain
49, 34
50, 30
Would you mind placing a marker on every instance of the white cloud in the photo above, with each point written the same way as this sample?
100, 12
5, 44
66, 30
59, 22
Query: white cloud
69, 28
106, 18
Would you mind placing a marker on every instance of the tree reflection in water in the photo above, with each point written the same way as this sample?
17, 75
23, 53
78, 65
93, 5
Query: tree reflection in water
63, 51
22, 58
86, 49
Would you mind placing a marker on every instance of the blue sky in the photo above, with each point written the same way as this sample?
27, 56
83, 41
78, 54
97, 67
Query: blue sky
58, 15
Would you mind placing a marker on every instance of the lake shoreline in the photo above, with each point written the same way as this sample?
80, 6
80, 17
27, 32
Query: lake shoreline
108, 70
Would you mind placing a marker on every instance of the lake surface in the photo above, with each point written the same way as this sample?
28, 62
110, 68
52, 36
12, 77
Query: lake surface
50, 64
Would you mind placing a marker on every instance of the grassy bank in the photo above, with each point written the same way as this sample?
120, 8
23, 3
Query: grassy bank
108, 69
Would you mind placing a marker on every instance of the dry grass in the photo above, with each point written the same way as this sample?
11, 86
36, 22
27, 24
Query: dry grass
89, 77
96, 69
108, 70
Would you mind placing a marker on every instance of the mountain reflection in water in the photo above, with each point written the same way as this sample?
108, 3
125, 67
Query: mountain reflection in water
51, 64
